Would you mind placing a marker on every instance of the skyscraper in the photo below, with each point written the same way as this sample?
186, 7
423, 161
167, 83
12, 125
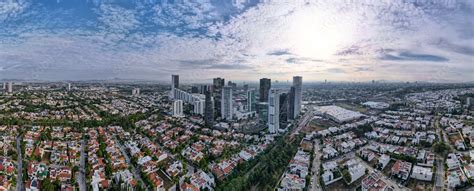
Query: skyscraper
10, 87
298, 85
136, 91
178, 108
218, 84
203, 89
4, 85
68, 86
283, 109
226, 103
251, 100
274, 110
174, 81
291, 103
209, 109
198, 106
265, 85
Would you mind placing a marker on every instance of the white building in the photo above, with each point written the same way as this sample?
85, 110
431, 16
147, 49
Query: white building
10, 87
199, 107
422, 173
136, 91
298, 85
178, 108
226, 103
274, 110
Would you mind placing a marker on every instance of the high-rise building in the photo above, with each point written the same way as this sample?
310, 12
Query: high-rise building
274, 110
226, 103
291, 103
209, 109
4, 85
175, 81
194, 89
284, 104
178, 108
262, 112
198, 107
218, 84
298, 85
246, 87
68, 86
265, 85
251, 100
203, 89
10, 87
136, 91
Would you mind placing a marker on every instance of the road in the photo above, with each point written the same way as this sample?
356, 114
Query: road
314, 186
81, 178
303, 122
135, 171
439, 177
19, 182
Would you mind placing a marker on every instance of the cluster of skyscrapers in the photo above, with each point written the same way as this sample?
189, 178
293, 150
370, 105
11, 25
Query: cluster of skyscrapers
274, 106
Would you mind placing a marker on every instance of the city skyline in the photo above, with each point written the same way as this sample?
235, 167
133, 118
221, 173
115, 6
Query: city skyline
238, 40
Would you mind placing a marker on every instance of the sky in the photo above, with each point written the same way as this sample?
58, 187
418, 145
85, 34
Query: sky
240, 40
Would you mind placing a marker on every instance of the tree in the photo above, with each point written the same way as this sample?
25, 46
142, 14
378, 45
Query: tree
440, 147
346, 175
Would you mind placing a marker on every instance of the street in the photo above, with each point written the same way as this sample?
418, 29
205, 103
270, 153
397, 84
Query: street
81, 178
135, 171
19, 182
316, 163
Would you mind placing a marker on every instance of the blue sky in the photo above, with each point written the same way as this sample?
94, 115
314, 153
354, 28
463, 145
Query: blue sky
337, 40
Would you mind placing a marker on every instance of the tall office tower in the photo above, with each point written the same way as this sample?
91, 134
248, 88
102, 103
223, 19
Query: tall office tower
246, 87
175, 81
274, 110
68, 86
194, 89
4, 85
262, 112
251, 100
265, 85
178, 108
203, 89
284, 105
298, 84
198, 107
10, 87
209, 109
136, 91
291, 103
226, 103
218, 84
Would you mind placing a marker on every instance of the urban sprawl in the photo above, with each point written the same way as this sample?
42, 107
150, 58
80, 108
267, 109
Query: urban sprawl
267, 135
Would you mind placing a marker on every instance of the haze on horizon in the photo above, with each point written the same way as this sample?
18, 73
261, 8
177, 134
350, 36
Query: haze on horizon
337, 40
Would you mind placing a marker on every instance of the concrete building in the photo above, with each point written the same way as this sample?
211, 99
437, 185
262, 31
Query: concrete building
178, 108
209, 109
265, 85
274, 110
262, 112
198, 107
226, 103
422, 173
174, 85
251, 100
175, 81
298, 85
217, 85
136, 91
10, 87
68, 86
